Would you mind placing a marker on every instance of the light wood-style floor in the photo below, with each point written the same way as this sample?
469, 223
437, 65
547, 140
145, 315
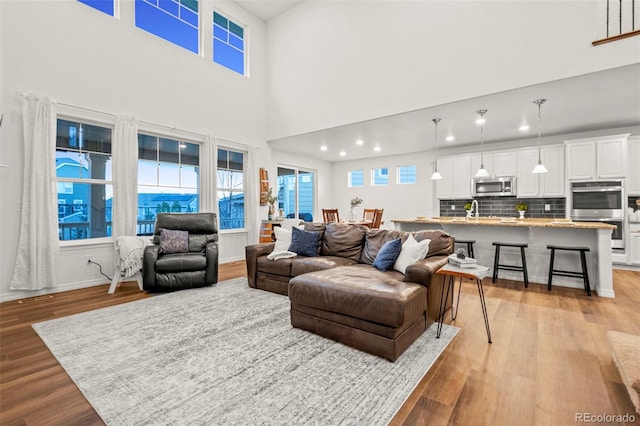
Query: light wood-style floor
549, 359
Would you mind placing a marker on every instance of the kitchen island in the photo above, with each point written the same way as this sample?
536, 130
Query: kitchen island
537, 233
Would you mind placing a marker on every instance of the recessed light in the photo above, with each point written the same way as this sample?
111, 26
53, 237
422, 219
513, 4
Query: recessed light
323, 148
450, 138
183, 145
342, 153
523, 127
377, 148
359, 142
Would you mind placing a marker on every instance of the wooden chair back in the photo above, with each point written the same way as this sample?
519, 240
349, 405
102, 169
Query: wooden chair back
377, 219
330, 215
368, 214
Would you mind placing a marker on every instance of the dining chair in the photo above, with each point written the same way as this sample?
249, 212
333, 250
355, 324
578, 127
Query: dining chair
330, 215
368, 214
377, 219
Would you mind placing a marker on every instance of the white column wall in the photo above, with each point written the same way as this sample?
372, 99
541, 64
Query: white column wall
337, 62
80, 56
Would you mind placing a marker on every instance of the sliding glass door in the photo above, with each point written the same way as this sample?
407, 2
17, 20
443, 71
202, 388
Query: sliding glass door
296, 192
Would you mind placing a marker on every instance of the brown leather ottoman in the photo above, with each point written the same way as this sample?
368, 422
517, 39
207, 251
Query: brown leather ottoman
360, 306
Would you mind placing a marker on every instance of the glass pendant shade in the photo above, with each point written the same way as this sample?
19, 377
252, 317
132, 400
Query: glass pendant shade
436, 175
539, 168
482, 172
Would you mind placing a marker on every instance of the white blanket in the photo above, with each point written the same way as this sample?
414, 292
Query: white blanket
130, 251
284, 254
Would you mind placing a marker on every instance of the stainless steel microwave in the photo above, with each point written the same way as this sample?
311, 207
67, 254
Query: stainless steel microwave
493, 187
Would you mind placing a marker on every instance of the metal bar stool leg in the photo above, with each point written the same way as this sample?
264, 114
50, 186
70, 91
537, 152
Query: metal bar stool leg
553, 255
585, 277
484, 308
524, 267
496, 259
470, 250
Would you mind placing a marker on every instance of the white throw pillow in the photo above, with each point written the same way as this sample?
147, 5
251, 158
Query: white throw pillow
283, 238
412, 251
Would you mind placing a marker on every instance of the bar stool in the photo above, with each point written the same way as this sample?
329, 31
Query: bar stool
469, 244
497, 265
575, 274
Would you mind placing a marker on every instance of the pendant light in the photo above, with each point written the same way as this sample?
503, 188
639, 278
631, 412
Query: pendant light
482, 172
539, 168
436, 174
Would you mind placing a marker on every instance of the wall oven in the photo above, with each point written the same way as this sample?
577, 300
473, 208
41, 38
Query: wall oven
600, 201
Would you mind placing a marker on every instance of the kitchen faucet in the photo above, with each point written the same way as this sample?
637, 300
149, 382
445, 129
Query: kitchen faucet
474, 203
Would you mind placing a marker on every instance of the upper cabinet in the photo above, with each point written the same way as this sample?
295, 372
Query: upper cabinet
633, 171
456, 178
596, 158
550, 184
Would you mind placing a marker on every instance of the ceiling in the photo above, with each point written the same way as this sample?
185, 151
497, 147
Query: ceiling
590, 102
267, 9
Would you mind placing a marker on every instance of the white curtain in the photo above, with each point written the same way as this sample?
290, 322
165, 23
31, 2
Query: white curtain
37, 260
208, 177
251, 198
125, 176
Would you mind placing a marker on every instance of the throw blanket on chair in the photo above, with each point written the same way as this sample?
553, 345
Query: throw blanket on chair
129, 254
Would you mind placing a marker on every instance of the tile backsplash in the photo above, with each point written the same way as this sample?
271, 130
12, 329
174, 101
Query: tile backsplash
506, 207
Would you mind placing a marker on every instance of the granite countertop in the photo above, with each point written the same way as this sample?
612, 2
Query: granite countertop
510, 221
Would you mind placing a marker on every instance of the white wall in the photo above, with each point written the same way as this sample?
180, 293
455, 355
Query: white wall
79, 56
398, 201
337, 62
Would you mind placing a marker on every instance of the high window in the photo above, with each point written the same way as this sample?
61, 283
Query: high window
106, 6
231, 183
406, 174
168, 179
296, 193
356, 178
228, 43
380, 176
83, 175
176, 21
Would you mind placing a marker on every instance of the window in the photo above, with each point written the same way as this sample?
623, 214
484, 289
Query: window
356, 178
176, 21
168, 172
380, 176
231, 189
106, 6
228, 43
296, 193
83, 175
406, 174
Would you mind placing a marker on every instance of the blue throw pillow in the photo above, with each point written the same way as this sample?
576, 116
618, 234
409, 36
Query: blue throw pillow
305, 243
388, 254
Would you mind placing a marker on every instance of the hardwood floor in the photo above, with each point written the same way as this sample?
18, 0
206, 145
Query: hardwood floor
549, 359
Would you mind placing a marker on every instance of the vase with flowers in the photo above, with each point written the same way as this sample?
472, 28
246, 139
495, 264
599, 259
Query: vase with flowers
355, 202
271, 200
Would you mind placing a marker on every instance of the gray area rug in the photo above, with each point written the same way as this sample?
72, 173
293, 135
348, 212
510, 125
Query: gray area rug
228, 355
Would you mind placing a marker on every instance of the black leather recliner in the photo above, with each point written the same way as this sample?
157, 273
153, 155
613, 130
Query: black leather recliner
176, 271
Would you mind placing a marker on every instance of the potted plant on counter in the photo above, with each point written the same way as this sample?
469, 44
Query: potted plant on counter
467, 208
522, 208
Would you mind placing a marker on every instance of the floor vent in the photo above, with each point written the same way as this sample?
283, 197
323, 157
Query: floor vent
35, 299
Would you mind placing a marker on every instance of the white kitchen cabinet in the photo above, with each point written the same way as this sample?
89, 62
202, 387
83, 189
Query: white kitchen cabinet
456, 178
634, 243
596, 158
504, 164
550, 184
528, 184
633, 166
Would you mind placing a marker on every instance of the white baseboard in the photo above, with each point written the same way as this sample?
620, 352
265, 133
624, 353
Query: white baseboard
22, 294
